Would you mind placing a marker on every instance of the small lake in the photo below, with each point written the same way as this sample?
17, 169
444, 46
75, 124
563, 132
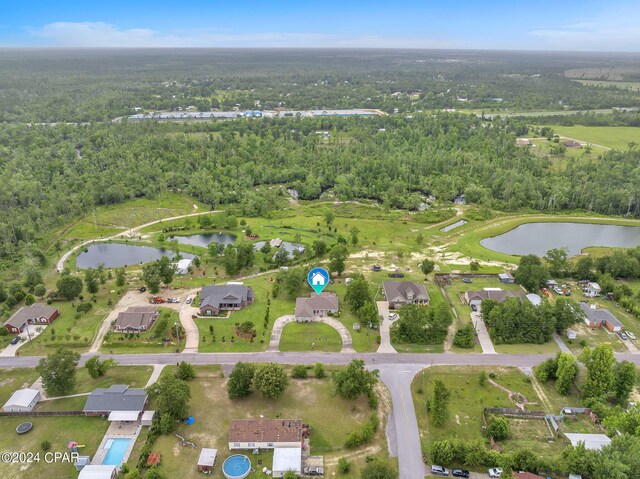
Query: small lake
204, 240
114, 255
453, 225
538, 238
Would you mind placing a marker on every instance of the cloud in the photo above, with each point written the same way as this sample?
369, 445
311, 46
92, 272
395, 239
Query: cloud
100, 34
609, 31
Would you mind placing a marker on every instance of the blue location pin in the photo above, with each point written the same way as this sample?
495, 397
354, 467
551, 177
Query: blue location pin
318, 279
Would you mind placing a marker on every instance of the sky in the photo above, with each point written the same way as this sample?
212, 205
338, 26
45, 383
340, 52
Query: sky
566, 25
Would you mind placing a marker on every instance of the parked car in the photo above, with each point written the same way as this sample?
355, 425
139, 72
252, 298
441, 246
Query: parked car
157, 301
631, 335
188, 301
15, 340
467, 280
439, 471
557, 290
142, 290
474, 307
376, 267
393, 316
495, 472
173, 300
623, 335
313, 471
460, 473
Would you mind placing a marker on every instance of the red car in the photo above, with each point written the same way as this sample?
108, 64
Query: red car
157, 301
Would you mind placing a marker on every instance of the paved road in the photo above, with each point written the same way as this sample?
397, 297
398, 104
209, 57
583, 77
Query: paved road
398, 379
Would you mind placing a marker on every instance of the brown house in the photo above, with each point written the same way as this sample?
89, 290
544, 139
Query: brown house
37, 313
571, 144
137, 318
265, 433
315, 307
475, 298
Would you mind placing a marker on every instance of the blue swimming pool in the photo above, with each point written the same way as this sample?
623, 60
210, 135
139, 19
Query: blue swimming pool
236, 466
117, 449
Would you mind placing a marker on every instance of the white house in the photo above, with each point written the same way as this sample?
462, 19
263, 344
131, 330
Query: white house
287, 459
23, 400
592, 290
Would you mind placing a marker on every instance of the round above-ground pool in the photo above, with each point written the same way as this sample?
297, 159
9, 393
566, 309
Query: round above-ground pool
24, 427
236, 466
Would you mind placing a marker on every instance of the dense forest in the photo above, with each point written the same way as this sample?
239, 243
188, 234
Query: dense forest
82, 85
54, 172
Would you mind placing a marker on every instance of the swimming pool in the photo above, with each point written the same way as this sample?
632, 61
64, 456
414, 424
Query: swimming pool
236, 466
117, 449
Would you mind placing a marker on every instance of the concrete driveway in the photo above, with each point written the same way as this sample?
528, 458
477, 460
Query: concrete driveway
385, 328
188, 323
30, 332
483, 334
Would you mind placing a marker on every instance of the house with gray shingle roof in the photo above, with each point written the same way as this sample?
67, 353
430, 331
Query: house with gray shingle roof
118, 397
475, 298
229, 297
400, 293
137, 318
316, 307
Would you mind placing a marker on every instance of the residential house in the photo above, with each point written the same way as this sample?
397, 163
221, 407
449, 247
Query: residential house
571, 334
119, 397
401, 293
571, 144
37, 313
525, 475
136, 319
475, 298
23, 400
230, 297
265, 433
524, 142
591, 290
506, 278
596, 317
207, 459
316, 307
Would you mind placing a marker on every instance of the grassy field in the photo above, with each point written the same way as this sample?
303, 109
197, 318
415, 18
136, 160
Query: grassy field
617, 137
627, 85
147, 342
58, 431
314, 336
311, 400
468, 399
225, 327
73, 330
13, 379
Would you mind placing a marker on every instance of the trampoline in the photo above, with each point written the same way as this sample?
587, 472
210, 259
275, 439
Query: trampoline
237, 466
24, 427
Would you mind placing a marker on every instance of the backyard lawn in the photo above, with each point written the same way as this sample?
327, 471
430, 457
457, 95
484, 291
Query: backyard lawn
311, 400
13, 379
58, 431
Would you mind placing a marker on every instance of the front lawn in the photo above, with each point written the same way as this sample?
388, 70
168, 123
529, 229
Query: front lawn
149, 341
314, 336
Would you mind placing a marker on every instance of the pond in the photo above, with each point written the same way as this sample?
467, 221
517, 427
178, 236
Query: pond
453, 225
114, 255
204, 240
538, 238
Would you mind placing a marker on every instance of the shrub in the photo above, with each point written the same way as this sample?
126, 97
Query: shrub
344, 466
465, 337
318, 371
299, 371
483, 378
45, 445
498, 428
29, 299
